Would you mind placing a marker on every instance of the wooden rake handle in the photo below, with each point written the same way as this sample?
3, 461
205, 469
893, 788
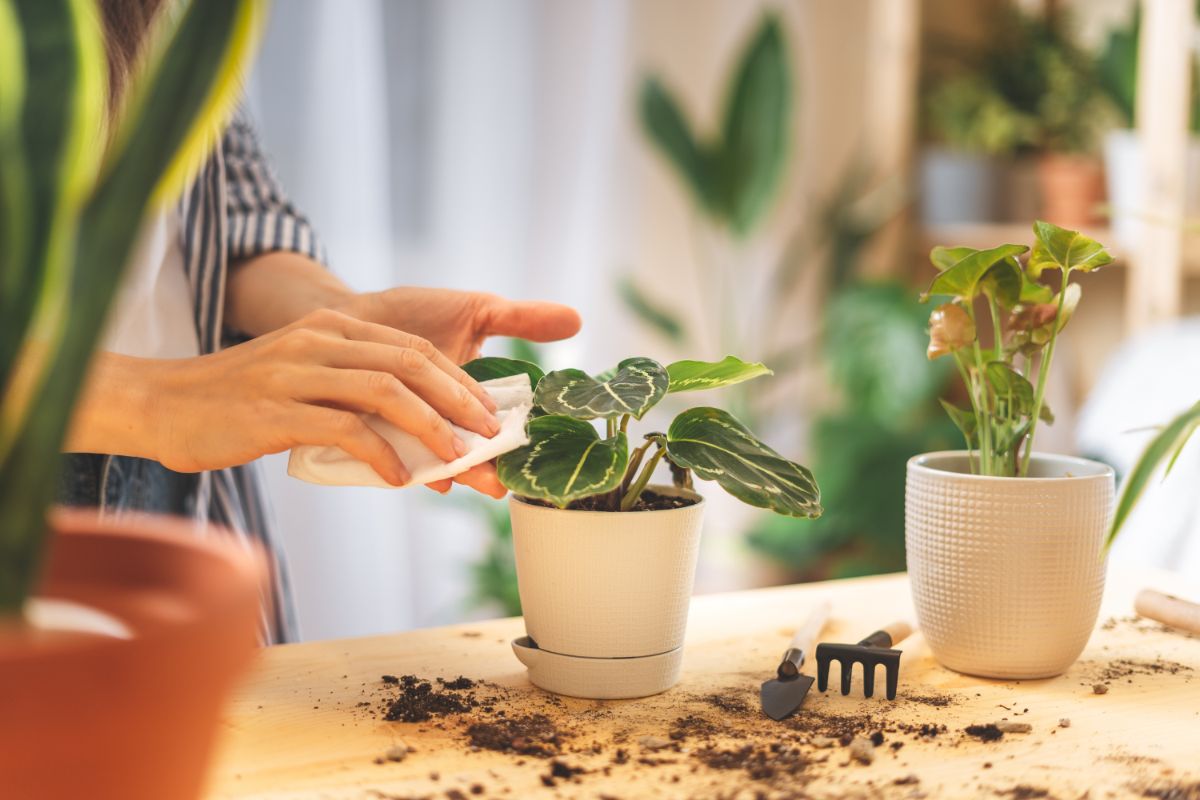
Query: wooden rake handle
1168, 609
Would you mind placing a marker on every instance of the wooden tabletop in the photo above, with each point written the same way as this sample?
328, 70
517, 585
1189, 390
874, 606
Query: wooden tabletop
310, 720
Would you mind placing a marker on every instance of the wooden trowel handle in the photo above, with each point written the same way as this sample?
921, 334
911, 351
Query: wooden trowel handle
802, 643
1168, 610
889, 635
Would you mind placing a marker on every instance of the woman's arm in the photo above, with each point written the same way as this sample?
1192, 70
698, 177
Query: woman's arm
273, 290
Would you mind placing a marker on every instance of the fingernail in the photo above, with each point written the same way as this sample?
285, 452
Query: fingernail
460, 447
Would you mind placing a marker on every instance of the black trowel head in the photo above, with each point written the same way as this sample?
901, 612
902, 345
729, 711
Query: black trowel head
781, 697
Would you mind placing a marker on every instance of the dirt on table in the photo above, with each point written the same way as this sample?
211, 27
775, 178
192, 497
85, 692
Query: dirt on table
532, 735
418, 701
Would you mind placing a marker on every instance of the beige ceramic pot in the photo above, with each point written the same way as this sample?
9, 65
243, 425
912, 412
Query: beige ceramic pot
1007, 573
605, 596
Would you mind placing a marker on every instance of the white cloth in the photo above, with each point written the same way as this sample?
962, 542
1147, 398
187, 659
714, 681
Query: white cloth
152, 314
333, 466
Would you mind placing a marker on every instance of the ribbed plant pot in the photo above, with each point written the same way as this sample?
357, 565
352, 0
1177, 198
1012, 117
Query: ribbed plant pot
1007, 573
605, 595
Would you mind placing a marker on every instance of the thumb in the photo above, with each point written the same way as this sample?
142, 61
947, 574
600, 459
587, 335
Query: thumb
536, 320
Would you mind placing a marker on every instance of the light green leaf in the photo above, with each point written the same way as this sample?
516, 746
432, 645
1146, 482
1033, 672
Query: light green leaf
688, 376
565, 460
665, 125
964, 278
1166, 445
964, 420
715, 446
754, 129
636, 386
1008, 383
492, 367
946, 257
650, 311
1064, 249
1034, 292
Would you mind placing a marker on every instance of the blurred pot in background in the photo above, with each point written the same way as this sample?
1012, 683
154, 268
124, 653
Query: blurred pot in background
1072, 188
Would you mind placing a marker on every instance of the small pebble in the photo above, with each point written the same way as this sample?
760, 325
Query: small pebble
1064, 722
907, 780
653, 742
1014, 727
862, 751
1100, 688
822, 742
397, 753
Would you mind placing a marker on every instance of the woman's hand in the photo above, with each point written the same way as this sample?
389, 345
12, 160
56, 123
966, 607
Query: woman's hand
302, 384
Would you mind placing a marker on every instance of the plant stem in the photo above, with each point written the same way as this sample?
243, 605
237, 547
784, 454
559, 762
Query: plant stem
625, 422
635, 491
610, 425
635, 461
966, 377
1044, 373
979, 393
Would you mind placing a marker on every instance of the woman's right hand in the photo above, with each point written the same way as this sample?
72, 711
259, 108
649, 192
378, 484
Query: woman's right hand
304, 384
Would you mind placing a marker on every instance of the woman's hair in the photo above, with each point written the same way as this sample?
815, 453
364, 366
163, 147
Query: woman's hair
126, 23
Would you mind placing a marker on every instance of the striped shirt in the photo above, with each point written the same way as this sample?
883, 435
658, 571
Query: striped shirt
235, 209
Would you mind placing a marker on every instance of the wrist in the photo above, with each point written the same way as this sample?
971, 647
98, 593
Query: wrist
116, 412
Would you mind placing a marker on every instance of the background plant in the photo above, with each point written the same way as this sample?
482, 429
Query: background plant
75, 186
1024, 318
568, 462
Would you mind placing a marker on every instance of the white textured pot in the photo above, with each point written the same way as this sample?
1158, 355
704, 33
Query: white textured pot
605, 587
1007, 573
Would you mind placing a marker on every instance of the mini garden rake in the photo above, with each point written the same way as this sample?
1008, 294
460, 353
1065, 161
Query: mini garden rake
870, 652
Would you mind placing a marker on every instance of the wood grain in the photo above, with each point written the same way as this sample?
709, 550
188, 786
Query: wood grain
296, 729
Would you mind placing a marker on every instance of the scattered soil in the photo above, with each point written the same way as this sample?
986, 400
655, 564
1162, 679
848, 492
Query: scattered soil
419, 702
984, 733
759, 762
457, 684
1099, 688
1172, 791
531, 735
1025, 792
731, 704
561, 771
937, 700
693, 726
1127, 667
649, 501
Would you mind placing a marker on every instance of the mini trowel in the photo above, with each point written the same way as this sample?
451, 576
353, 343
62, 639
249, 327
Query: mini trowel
784, 693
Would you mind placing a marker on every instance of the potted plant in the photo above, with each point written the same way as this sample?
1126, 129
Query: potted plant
1004, 545
605, 559
118, 638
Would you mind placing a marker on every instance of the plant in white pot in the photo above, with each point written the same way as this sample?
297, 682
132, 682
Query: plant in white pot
118, 637
1005, 545
605, 560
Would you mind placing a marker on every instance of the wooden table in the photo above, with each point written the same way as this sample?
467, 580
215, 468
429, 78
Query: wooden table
307, 722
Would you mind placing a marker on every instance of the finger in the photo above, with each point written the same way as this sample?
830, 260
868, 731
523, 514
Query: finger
536, 320
383, 394
331, 426
482, 478
442, 486
448, 397
382, 334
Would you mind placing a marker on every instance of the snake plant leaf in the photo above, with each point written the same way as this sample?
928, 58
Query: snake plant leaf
1060, 248
1165, 446
965, 279
714, 445
651, 312
665, 125
1010, 385
492, 367
946, 257
690, 376
754, 129
565, 460
634, 388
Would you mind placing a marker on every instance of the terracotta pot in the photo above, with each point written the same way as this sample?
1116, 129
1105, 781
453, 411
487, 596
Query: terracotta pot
605, 595
1072, 189
1007, 573
94, 716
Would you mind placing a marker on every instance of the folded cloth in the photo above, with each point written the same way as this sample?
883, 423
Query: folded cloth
333, 466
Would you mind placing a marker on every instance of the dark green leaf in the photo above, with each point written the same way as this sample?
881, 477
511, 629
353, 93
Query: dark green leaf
636, 386
688, 376
963, 420
717, 447
665, 125
1064, 249
1008, 383
964, 278
651, 312
754, 128
565, 460
1166, 445
492, 367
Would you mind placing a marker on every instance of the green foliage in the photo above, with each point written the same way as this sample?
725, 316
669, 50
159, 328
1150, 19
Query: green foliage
495, 574
567, 460
652, 313
1005, 406
486, 369
1166, 446
692, 376
1116, 71
732, 174
966, 113
70, 211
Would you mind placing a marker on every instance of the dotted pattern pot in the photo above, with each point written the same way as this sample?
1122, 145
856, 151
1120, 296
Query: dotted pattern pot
605, 585
1006, 573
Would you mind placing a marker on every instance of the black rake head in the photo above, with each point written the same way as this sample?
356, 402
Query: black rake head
870, 652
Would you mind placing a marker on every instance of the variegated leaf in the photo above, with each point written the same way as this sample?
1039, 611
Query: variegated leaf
565, 460
634, 388
717, 447
691, 376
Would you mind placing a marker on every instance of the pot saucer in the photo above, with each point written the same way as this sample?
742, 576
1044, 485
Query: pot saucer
598, 678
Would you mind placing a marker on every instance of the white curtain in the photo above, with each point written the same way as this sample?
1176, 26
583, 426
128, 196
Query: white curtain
462, 144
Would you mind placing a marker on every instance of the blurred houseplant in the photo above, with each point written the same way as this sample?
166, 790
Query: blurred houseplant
76, 180
605, 560
1004, 545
